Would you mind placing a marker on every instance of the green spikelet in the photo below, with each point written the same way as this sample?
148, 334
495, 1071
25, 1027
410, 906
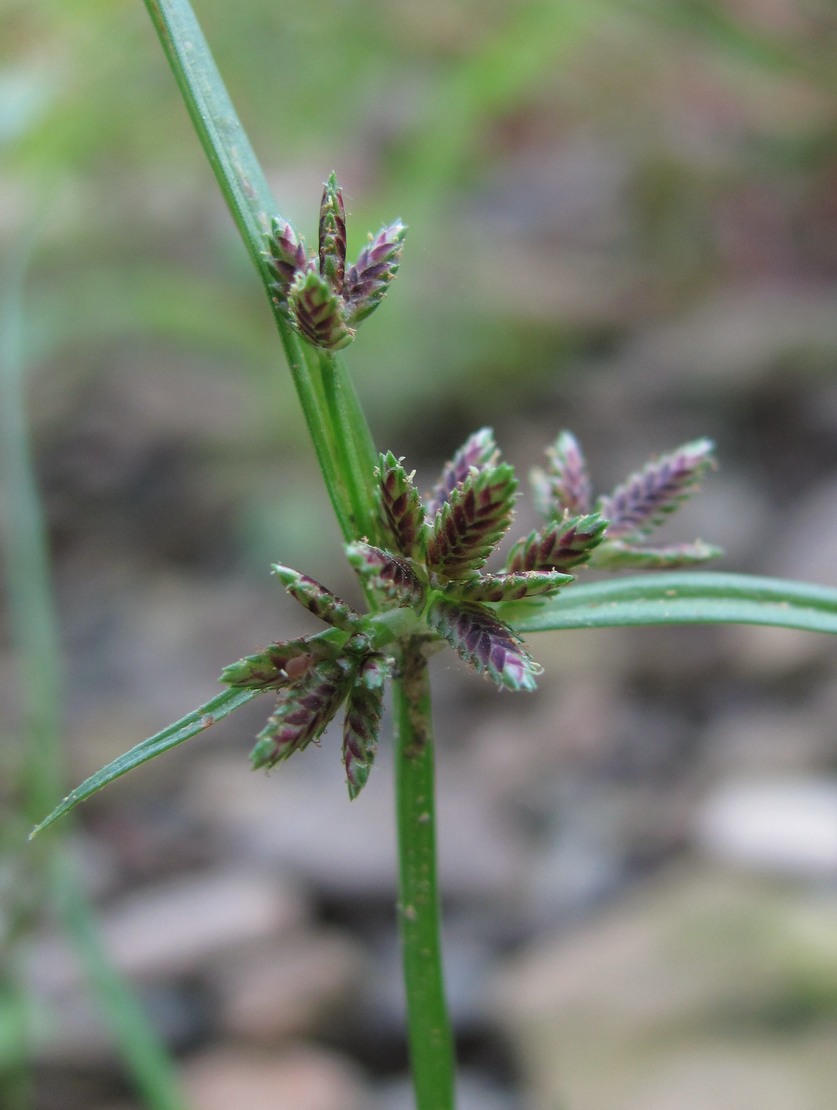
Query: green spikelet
272, 668
508, 587
332, 237
618, 555
318, 600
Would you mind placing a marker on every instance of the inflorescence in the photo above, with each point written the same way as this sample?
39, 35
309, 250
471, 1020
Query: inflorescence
428, 581
323, 299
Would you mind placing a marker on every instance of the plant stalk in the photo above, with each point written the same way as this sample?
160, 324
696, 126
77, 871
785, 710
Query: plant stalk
429, 1030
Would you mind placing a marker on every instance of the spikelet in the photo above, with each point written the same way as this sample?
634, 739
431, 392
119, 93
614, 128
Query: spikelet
559, 546
303, 712
286, 257
369, 279
332, 235
564, 486
508, 587
389, 574
482, 641
317, 311
319, 600
272, 668
363, 720
645, 499
470, 524
478, 452
401, 507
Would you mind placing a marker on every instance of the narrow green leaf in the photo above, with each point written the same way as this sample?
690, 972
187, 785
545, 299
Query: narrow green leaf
687, 598
182, 730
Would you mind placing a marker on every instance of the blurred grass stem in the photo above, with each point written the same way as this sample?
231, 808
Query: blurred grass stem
49, 870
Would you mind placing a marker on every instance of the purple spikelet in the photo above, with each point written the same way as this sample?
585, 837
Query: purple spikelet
470, 524
318, 600
285, 256
509, 587
362, 721
483, 642
564, 486
478, 452
401, 507
369, 279
647, 497
391, 575
559, 546
332, 235
303, 711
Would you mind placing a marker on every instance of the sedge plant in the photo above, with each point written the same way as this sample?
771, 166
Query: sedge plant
421, 558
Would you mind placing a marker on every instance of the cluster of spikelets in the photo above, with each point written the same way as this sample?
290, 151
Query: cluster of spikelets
432, 565
323, 299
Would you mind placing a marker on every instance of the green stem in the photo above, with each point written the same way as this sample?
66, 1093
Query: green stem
430, 1036
33, 633
251, 204
355, 460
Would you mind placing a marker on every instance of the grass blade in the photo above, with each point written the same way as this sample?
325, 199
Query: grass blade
179, 732
688, 598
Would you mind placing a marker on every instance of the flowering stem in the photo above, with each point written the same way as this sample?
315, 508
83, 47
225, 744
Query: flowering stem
429, 1030
251, 204
346, 454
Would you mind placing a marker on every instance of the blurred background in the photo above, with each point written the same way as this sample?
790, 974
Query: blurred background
623, 220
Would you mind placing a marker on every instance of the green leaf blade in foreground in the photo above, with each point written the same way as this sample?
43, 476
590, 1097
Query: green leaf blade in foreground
674, 598
193, 723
